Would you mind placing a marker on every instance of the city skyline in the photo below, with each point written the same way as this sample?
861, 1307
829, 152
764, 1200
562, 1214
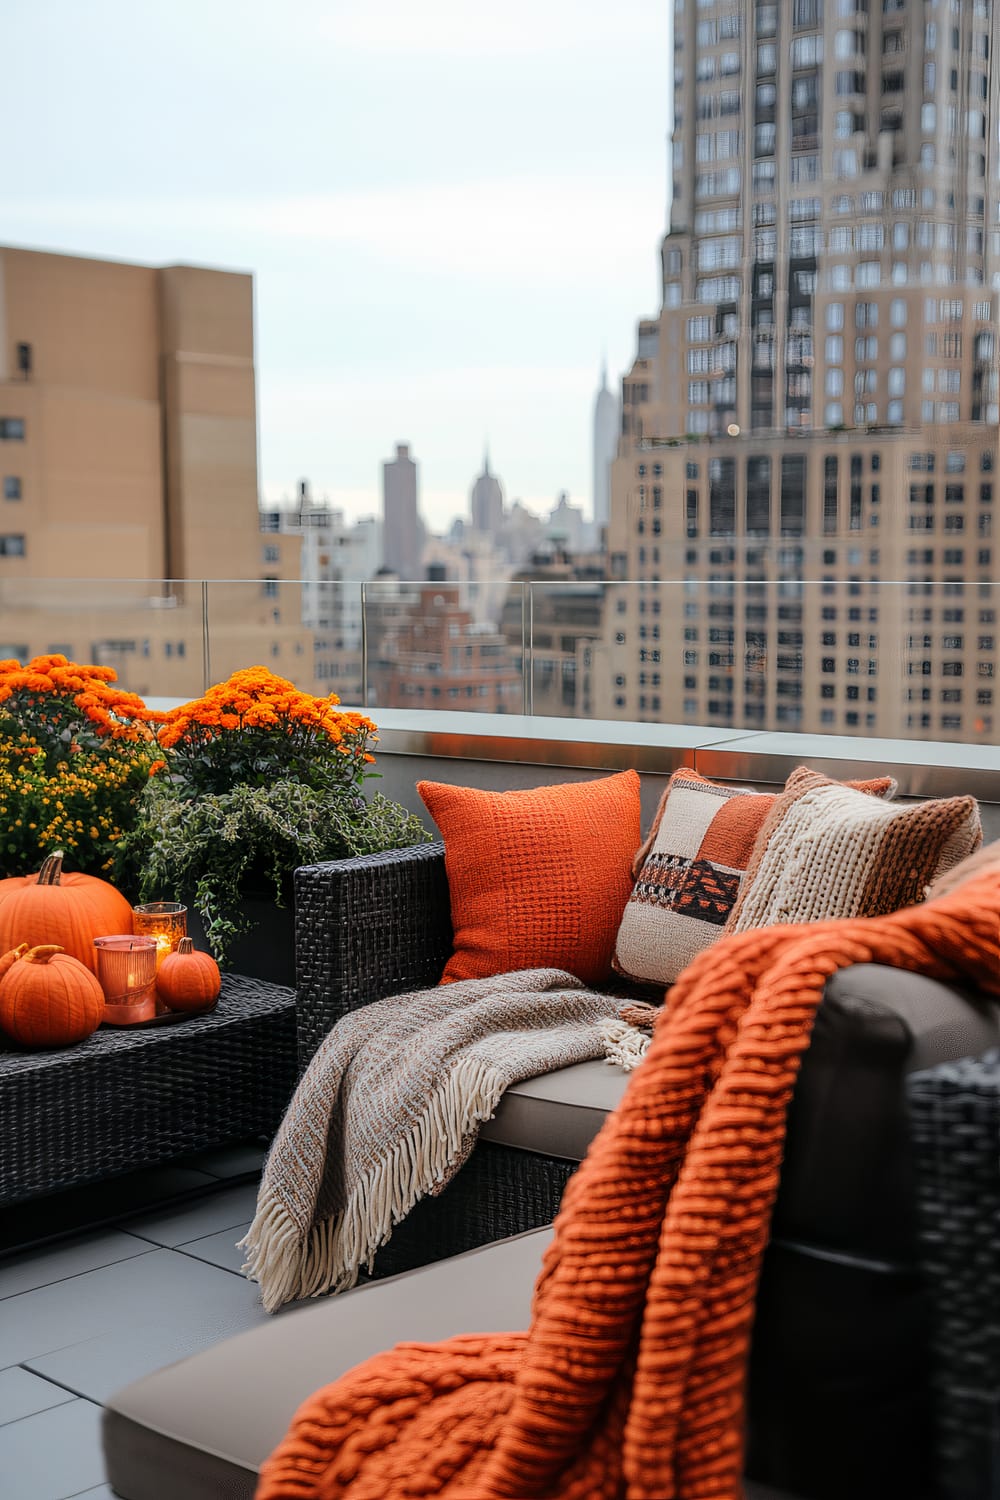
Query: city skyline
822, 383
449, 222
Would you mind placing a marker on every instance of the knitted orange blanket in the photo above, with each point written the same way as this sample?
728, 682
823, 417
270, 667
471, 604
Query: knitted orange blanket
629, 1384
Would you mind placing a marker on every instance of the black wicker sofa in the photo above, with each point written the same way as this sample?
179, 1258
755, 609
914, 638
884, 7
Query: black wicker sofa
840, 1377
875, 1369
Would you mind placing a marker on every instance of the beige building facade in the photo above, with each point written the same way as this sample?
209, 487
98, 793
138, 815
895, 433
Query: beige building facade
809, 429
128, 457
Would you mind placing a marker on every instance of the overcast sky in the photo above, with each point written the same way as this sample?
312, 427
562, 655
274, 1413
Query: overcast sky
451, 208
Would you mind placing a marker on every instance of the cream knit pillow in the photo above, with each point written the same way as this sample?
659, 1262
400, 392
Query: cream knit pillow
826, 851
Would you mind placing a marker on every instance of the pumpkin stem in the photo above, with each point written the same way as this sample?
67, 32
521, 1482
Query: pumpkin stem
51, 870
186, 945
42, 953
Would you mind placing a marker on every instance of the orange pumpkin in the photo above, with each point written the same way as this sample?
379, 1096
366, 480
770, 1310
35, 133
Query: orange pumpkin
53, 907
12, 957
49, 999
188, 979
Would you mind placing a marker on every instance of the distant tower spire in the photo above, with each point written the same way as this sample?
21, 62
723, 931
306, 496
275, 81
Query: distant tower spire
486, 502
605, 446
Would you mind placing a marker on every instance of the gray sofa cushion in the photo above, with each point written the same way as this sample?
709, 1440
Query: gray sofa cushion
201, 1428
557, 1114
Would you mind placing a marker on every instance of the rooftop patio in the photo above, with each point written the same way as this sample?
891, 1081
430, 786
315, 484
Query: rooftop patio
106, 1283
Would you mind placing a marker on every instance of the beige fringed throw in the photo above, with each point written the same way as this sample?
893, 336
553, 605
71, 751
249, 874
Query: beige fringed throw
389, 1108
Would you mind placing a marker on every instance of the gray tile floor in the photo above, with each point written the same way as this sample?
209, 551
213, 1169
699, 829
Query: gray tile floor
82, 1316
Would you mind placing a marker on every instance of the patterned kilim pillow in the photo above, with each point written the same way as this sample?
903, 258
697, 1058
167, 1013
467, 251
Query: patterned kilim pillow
688, 875
824, 852
689, 872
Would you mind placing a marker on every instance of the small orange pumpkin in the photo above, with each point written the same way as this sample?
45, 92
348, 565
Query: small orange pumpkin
49, 999
188, 979
12, 957
69, 910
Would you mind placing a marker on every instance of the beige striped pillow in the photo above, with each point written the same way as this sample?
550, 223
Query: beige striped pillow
826, 851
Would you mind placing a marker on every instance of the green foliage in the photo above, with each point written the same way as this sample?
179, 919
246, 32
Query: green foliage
216, 847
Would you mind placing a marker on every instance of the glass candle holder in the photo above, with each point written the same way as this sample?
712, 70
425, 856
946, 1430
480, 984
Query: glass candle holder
126, 971
166, 921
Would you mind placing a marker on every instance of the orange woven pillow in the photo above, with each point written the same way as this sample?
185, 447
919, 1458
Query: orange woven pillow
538, 879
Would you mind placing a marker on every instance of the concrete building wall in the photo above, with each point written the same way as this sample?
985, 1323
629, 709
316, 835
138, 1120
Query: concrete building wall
128, 454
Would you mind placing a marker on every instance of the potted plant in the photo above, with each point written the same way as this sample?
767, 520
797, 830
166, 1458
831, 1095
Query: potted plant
256, 778
76, 753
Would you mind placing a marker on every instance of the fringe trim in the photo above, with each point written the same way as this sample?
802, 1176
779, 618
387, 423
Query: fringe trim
623, 1044
421, 1162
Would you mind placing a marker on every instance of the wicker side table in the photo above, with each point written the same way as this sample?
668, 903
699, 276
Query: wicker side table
133, 1097
955, 1111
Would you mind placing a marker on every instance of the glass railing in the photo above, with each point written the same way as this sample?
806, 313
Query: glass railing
863, 655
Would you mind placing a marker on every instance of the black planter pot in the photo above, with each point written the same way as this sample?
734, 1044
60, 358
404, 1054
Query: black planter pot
267, 949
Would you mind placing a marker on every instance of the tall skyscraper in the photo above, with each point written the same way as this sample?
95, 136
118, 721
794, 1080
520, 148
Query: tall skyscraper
402, 529
486, 501
815, 409
605, 446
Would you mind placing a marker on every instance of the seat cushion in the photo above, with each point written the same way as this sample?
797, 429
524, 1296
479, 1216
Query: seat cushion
558, 1114
201, 1428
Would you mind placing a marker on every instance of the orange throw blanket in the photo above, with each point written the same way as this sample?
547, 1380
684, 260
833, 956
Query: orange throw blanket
629, 1384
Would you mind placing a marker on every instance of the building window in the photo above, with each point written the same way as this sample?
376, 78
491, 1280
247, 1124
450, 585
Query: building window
830, 504
793, 494
722, 496
691, 512
12, 487
12, 429
758, 497
270, 588
12, 546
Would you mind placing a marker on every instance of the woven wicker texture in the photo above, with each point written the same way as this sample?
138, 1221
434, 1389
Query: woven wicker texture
364, 928
955, 1112
538, 879
499, 1191
630, 1382
132, 1097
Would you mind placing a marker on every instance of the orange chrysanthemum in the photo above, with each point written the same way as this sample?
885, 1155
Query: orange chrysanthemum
256, 727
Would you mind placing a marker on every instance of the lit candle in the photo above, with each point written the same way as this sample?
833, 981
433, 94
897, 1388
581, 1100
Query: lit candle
166, 921
126, 970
